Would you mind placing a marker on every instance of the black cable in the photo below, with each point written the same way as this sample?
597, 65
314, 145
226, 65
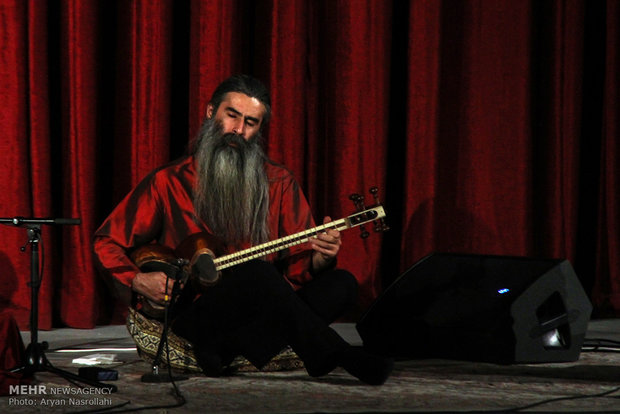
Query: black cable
600, 345
550, 400
101, 410
611, 341
177, 393
41, 260
180, 398
614, 350
598, 342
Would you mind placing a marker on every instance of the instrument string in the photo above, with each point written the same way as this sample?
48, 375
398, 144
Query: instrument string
276, 245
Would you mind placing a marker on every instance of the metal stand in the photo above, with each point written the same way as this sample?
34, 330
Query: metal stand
36, 361
155, 375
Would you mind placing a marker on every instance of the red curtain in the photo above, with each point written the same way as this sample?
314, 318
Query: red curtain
490, 127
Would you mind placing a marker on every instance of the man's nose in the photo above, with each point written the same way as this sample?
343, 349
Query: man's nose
239, 127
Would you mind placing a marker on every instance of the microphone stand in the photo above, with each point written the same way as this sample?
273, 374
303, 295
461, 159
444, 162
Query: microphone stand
155, 376
36, 361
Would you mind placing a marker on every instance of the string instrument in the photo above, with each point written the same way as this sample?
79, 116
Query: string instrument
198, 259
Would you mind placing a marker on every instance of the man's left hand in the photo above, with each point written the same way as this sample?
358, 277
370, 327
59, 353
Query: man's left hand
326, 246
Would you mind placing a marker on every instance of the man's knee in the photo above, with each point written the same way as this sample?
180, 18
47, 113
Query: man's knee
259, 275
345, 282
330, 294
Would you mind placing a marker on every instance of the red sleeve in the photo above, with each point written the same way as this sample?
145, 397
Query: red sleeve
135, 221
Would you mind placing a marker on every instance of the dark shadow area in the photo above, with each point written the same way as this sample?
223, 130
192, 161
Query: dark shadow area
8, 284
397, 143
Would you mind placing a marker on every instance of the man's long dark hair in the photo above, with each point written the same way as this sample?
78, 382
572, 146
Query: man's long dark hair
246, 85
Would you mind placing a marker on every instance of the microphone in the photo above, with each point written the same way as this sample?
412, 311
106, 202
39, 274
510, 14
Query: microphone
67, 221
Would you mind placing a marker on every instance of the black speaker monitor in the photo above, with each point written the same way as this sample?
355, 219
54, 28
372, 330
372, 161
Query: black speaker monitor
481, 308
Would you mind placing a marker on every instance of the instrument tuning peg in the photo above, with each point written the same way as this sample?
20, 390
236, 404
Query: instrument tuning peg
358, 201
375, 193
380, 225
377, 226
364, 233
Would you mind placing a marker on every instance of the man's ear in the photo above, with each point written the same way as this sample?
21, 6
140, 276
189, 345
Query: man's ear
209, 110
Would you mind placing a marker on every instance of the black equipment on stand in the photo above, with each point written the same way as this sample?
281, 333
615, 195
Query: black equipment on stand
36, 361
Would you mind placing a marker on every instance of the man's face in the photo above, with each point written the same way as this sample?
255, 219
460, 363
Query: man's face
238, 114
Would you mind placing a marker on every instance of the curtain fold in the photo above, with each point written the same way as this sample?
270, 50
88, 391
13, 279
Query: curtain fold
557, 134
421, 126
41, 181
79, 99
142, 138
285, 45
25, 158
214, 35
606, 292
353, 107
468, 162
489, 127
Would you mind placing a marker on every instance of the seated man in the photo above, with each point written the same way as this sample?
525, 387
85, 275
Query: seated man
228, 188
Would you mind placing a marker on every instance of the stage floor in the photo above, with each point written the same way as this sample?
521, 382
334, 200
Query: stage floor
415, 386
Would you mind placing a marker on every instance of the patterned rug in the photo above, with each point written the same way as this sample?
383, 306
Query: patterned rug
146, 333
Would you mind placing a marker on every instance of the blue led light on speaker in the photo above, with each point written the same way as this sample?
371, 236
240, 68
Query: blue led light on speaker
502, 291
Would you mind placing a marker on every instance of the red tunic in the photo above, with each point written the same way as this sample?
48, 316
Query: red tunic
160, 209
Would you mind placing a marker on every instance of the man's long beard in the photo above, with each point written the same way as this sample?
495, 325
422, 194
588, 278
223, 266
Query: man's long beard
232, 189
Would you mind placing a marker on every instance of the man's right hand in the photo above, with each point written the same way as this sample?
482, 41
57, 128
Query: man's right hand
152, 285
